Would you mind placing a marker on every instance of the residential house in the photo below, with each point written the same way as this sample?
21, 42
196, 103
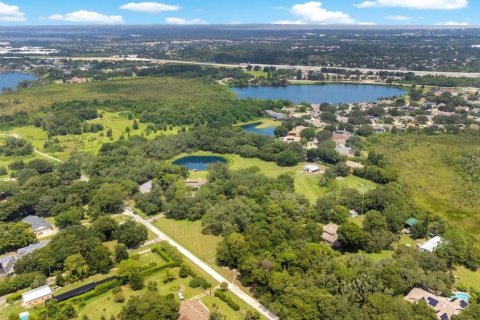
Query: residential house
36, 296
75, 80
340, 137
145, 187
330, 235
345, 151
38, 224
6, 265
430, 245
445, 308
31, 248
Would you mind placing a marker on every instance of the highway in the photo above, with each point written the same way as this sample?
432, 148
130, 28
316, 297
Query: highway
234, 289
278, 66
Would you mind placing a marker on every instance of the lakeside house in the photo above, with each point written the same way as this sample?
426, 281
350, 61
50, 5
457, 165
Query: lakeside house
445, 308
39, 225
36, 296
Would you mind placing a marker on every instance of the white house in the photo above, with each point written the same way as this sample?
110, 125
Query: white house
430, 245
36, 296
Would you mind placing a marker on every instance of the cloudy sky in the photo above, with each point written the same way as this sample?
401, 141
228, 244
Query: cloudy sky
363, 12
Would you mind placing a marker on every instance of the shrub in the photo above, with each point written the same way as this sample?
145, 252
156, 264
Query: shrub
119, 297
223, 296
14, 297
197, 282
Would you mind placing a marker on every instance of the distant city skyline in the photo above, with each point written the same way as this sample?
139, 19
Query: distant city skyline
191, 12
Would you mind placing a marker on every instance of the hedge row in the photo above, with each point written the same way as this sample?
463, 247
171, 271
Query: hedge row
20, 281
223, 296
99, 290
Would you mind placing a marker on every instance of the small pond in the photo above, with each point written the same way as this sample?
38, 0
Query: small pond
253, 128
332, 93
12, 79
199, 163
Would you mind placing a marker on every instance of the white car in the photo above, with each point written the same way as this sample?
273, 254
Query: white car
180, 296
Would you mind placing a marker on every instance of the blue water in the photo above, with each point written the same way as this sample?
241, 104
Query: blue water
199, 163
331, 93
462, 295
11, 79
253, 128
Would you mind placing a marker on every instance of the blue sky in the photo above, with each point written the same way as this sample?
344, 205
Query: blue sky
380, 12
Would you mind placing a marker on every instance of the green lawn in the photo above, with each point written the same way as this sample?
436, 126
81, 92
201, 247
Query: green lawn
467, 278
257, 74
189, 234
263, 123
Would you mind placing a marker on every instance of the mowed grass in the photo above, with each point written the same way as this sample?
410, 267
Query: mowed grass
467, 278
257, 74
437, 186
163, 89
189, 234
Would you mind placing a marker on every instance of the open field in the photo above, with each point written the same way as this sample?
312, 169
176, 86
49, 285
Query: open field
189, 234
467, 278
426, 164
264, 123
164, 89
257, 74
87, 142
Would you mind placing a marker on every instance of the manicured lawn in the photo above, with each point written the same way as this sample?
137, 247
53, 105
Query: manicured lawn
309, 186
264, 123
467, 278
257, 74
189, 234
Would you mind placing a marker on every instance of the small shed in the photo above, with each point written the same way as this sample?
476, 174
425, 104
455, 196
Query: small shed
410, 223
311, 168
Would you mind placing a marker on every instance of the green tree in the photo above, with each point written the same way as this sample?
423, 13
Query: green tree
150, 306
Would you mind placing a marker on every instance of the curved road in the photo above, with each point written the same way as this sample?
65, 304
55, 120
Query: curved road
234, 289
278, 66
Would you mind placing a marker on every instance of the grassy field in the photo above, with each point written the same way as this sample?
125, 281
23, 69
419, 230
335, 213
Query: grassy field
305, 184
189, 234
264, 123
436, 185
164, 89
467, 278
257, 74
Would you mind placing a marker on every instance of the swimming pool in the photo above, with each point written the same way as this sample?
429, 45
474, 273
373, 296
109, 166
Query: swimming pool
461, 295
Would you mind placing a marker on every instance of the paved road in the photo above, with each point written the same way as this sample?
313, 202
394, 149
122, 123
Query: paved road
278, 66
234, 289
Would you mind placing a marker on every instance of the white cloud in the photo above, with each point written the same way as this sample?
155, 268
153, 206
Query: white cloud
84, 16
181, 21
452, 23
288, 22
415, 4
366, 23
9, 13
313, 12
398, 18
149, 7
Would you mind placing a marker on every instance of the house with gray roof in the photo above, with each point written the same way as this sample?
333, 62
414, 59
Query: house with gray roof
6, 265
38, 224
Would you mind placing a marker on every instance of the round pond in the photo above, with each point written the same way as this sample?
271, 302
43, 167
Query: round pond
199, 163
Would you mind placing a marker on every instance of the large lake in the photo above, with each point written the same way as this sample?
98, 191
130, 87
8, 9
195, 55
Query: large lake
331, 93
11, 79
